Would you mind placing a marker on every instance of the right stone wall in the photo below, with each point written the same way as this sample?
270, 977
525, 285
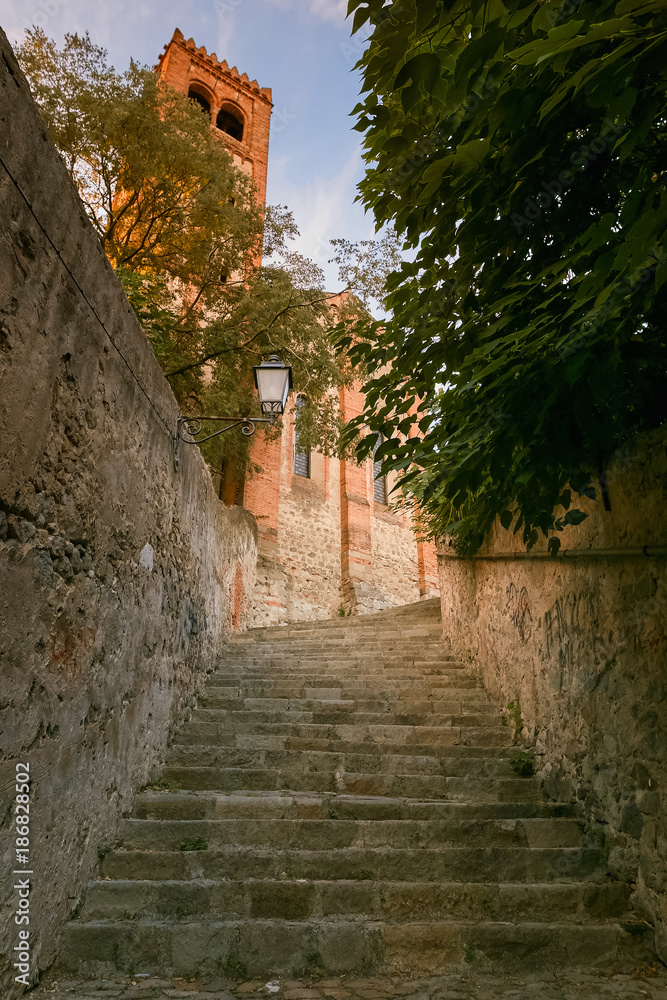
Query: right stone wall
580, 644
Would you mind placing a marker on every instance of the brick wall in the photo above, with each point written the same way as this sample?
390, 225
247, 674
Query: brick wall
183, 65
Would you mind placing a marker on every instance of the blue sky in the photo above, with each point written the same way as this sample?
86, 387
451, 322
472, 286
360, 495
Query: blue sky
300, 48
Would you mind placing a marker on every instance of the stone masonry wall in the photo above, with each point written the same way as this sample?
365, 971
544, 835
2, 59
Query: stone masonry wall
325, 545
118, 571
395, 563
580, 644
310, 550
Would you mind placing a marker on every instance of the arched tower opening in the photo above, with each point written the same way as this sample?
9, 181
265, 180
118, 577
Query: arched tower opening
198, 93
230, 121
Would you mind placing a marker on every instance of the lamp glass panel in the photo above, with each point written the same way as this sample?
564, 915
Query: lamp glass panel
273, 384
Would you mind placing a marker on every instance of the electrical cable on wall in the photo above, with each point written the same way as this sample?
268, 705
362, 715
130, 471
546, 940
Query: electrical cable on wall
85, 297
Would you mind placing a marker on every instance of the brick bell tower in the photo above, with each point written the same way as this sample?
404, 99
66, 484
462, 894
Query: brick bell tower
239, 108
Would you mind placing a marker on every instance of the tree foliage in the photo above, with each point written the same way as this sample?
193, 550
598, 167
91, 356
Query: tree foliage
365, 266
519, 148
181, 226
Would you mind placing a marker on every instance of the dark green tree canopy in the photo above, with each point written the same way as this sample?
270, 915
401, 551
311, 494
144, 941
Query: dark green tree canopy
519, 148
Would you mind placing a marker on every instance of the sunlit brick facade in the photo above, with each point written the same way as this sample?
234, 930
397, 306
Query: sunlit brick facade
240, 109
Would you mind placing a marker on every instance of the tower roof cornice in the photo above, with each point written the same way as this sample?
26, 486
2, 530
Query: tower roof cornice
211, 63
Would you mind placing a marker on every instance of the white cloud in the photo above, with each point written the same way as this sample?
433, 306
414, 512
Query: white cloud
329, 10
323, 209
226, 14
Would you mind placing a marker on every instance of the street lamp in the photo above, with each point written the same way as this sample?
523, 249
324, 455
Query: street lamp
273, 380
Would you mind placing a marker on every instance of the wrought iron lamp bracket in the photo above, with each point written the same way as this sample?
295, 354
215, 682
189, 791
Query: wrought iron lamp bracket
189, 429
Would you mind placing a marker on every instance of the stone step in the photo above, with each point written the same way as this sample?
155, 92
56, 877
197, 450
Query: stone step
436, 682
372, 722
278, 688
378, 661
217, 726
442, 702
422, 633
311, 805
454, 759
427, 608
326, 674
335, 629
346, 803
389, 646
262, 899
333, 834
300, 690
478, 716
438, 864
272, 948
399, 631
297, 761
426, 611
473, 789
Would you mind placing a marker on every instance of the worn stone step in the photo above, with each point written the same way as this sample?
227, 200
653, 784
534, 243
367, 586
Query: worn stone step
426, 611
442, 702
435, 682
299, 686
353, 691
438, 707
335, 673
388, 644
575, 902
375, 665
455, 762
311, 805
473, 789
216, 727
367, 626
277, 948
438, 864
346, 803
298, 761
323, 638
391, 648
491, 735
333, 834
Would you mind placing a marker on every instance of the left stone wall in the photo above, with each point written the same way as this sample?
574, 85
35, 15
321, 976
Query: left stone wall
119, 573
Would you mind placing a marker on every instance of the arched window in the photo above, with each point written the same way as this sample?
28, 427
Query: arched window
379, 481
301, 458
195, 95
230, 122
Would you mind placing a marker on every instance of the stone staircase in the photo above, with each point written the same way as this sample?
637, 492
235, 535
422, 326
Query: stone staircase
343, 800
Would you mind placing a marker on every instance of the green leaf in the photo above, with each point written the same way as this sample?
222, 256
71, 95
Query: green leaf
423, 68
536, 196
